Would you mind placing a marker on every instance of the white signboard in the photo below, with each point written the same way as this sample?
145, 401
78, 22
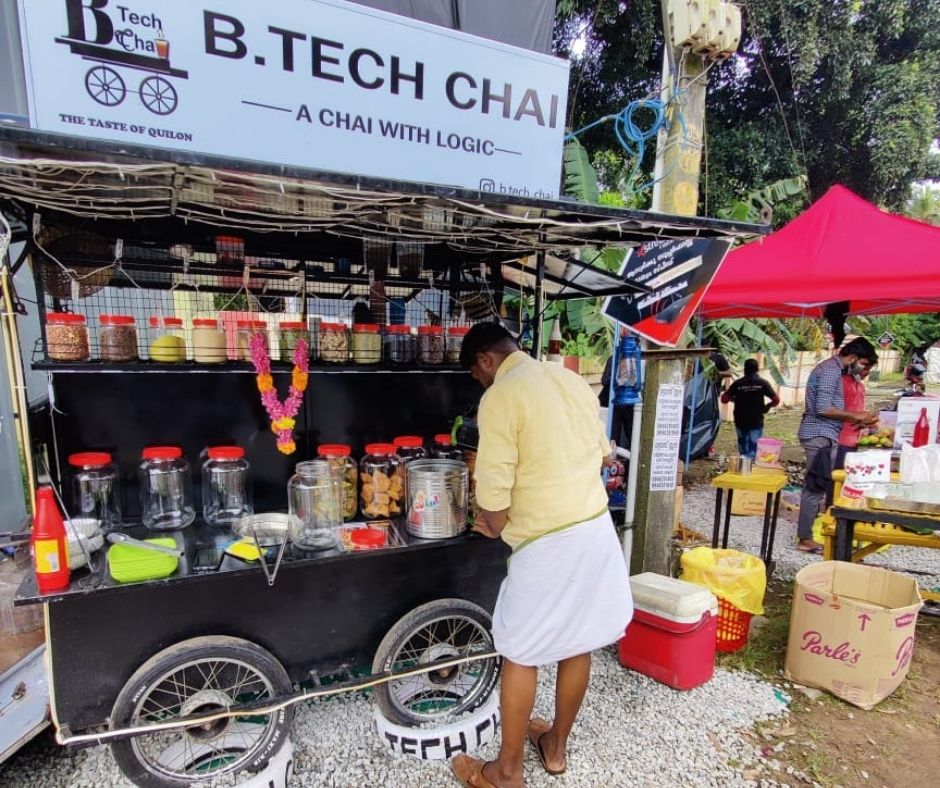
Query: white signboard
313, 83
667, 434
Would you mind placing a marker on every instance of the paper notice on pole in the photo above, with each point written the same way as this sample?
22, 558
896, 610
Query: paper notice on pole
667, 434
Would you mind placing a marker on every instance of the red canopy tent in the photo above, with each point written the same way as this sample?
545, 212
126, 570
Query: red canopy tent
841, 248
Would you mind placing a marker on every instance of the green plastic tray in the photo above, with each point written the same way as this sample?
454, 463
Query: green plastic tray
129, 564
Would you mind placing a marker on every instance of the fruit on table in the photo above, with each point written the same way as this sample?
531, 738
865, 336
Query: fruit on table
882, 438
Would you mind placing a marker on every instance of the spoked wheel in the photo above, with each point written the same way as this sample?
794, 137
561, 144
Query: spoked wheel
105, 86
200, 676
441, 630
158, 95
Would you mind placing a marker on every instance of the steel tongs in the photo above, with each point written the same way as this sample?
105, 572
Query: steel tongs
116, 538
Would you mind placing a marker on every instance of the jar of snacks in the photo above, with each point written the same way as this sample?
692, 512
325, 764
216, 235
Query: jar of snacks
67, 337
117, 338
366, 343
431, 344
334, 343
382, 487
96, 490
246, 330
291, 334
208, 341
167, 340
399, 345
314, 496
226, 486
410, 447
338, 455
455, 335
166, 489
443, 448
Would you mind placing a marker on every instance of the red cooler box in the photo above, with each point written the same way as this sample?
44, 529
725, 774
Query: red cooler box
672, 635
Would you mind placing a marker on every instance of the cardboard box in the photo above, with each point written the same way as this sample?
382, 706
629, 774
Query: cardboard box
852, 630
751, 504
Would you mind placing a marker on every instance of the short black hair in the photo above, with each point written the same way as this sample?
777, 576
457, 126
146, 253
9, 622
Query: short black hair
481, 338
859, 347
751, 366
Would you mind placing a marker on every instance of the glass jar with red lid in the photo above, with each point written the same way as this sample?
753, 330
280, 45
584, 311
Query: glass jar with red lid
443, 448
208, 341
399, 345
67, 337
382, 489
431, 345
246, 329
96, 490
117, 338
292, 332
165, 488
455, 335
334, 343
410, 447
366, 343
226, 486
339, 456
167, 340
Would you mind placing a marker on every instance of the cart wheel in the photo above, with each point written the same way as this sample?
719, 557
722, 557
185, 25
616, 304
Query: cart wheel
444, 629
105, 86
195, 676
158, 95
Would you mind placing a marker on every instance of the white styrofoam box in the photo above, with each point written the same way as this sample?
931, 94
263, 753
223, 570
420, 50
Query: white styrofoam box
675, 600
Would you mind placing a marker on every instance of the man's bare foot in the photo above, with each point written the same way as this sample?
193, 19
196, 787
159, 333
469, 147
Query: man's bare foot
553, 758
808, 546
492, 772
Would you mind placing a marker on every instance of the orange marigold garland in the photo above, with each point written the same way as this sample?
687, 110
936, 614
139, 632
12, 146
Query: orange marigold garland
282, 414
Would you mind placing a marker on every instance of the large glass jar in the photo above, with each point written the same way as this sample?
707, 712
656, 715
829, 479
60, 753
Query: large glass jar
208, 341
382, 490
410, 447
67, 337
96, 489
167, 340
246, 330
455, 335
338, 455
166, 489
292, 332
399, 345
366, 343
226, 486
315, 497
431, 344
334, 343
443, 448
117, 338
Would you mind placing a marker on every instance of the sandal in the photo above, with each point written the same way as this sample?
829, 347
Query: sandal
537, 729
817, 550
470, 772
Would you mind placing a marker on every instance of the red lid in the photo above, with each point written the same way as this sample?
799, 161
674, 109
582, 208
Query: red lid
116, 320
225, 452
205, 322
89, 459
366, 328
332, 327
64, 318
162, 453
408, 441
458, 331
259, 324
334, 450
293, 325
442, 439
231, 240
396, 329
368, 537
168, 322
380, 448
430, 330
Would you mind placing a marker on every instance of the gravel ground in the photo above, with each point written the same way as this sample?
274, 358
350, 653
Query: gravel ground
698, 512
632, 732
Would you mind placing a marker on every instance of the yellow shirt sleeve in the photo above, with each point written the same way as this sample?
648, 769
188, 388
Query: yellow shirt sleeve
498, 454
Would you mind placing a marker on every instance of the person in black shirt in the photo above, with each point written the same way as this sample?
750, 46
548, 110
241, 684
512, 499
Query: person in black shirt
748, 394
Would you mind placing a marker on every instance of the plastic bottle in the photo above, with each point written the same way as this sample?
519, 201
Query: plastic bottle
921, 430
554, 342
49, 545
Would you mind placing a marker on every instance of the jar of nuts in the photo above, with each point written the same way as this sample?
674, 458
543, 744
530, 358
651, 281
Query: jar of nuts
117, 338
66, 337
334, 343
431, 344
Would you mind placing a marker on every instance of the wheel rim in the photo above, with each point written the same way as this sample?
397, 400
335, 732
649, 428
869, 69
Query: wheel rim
201, 752
450, 691
105, 86
158, 95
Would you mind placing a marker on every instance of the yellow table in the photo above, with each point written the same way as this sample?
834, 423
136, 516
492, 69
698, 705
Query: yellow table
769, 483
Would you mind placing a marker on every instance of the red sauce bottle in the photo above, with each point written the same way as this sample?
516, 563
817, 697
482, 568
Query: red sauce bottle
49, 544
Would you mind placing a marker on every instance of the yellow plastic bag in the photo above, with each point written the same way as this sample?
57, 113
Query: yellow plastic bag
739, 578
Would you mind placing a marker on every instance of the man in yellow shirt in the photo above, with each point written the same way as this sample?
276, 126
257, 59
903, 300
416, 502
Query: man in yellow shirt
567, 593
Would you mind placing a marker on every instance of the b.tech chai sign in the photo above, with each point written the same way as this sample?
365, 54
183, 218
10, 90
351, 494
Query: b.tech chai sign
315, 83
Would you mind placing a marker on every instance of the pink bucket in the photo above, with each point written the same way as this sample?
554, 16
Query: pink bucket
768, 452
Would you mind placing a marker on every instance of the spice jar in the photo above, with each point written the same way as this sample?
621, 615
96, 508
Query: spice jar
366, 343
443, 448
334, 343
314, 495
455, 335
67, 337
431, 344
399, 345
117, 338
338, 455
410, 447
167, 341
208, 341
246, 330
96, 491
166, 489
382, 487
226, 485
291, 334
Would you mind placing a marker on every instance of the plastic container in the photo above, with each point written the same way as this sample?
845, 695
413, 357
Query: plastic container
334, 343
246, 329
226, 486
292, 332
67, 337
672, 637
315, 498
366, 343
117, 338
399, 345
368, 538
208, 341
443, 448
410, 448
455, 335
733, 627
167, 340
96, 489
166, 489
131, 564
431, 345
768, 452
338, 455
382, 489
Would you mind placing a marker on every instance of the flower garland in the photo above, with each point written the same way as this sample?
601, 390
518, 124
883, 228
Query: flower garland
282, 414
